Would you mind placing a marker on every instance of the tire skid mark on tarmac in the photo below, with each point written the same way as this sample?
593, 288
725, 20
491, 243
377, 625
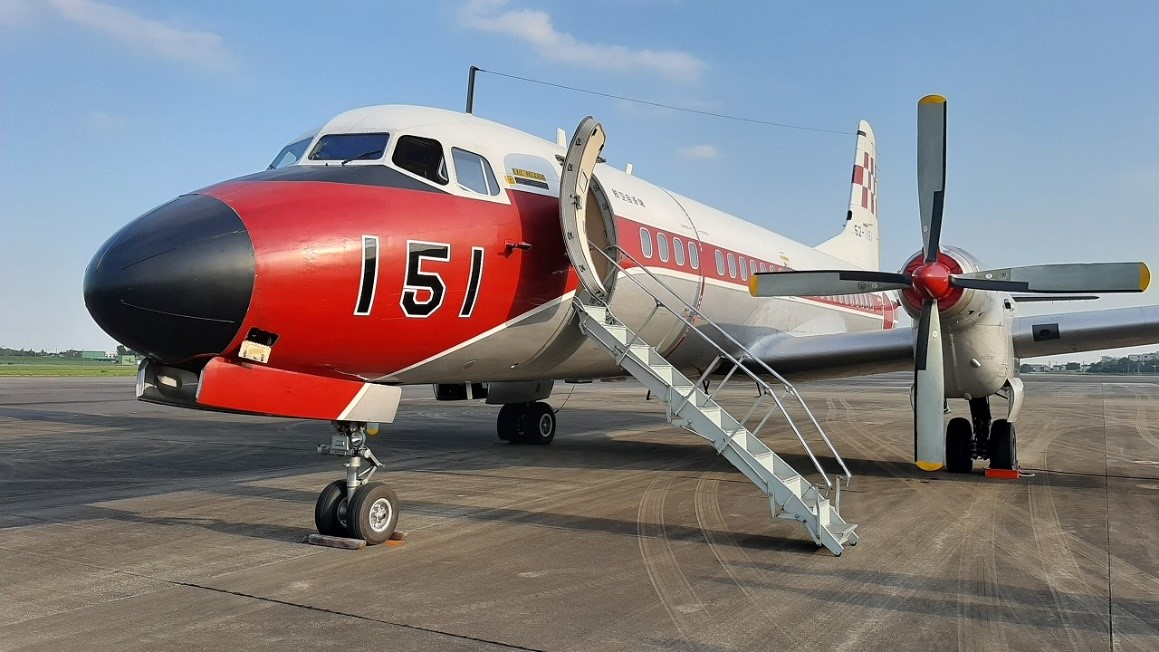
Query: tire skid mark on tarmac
870, 446
732, 557
986, 497
685, 609
1059, 567
1145, 415
1141, 628
928, 559
848, 629
980, 618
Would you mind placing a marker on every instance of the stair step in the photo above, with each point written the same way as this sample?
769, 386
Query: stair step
691, 408
841, 529
643, 352
599, 313
619, 333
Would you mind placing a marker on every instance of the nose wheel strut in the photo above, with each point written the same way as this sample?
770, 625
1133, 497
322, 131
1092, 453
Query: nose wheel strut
355, 507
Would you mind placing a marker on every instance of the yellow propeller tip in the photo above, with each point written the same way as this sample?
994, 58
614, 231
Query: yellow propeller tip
753, 285
929, 466
1144, 277
932, 99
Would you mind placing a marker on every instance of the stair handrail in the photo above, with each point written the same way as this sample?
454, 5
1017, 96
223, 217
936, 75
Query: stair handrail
739, 363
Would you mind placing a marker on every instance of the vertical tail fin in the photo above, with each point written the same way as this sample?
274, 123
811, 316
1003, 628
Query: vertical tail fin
858, 241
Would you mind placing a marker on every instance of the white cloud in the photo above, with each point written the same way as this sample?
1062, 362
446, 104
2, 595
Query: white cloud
190, 46
535, 27
703, 152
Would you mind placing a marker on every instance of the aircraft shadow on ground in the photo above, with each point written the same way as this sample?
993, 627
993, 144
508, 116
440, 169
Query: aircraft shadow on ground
542, 518
235, 446
267, 531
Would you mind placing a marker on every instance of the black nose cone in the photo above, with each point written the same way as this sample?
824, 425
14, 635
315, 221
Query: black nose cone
175, 283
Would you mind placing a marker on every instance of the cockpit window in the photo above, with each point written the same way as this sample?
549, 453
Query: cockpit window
473, 172
349, 147
421, 156
291, 153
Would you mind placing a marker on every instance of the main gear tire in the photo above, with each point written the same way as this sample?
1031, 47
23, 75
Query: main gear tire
539, 424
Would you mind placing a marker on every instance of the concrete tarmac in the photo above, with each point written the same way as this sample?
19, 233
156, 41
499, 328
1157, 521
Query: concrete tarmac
129, 526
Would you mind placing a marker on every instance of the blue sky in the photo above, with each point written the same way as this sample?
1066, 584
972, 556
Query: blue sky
109, 108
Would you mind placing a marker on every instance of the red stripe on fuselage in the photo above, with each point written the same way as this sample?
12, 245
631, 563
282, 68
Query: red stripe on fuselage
630, 238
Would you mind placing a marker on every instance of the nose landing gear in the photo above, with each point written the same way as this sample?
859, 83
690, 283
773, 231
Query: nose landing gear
356, 507
982, 438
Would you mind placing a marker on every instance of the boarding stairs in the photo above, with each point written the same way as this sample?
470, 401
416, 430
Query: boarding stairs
690, 405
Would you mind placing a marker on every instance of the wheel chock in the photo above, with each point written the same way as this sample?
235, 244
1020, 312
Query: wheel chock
334, 542
1003, 474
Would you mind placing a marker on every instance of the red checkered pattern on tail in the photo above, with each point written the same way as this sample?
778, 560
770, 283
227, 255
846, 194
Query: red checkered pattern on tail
865, 177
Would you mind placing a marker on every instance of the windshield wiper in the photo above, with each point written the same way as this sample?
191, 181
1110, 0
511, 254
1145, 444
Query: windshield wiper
374, 153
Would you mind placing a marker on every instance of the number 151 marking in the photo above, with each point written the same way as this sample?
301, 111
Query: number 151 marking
423, 290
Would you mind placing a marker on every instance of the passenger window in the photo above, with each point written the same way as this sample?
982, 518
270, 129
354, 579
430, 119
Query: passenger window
752, 266
764, 267
744, 270
678, 251
662, 245
645, 242
719, 262
423, 157
349, 147
731, 266
693, 255
474, 172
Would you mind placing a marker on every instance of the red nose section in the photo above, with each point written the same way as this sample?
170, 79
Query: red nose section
933, 281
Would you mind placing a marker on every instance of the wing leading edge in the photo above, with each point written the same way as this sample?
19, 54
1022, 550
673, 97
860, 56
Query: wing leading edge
1085, 331
874, 352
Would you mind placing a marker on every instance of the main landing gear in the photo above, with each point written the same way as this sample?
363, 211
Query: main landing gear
980, 438
355, 507
526, 423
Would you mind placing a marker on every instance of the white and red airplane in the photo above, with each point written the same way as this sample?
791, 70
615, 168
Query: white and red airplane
405, 245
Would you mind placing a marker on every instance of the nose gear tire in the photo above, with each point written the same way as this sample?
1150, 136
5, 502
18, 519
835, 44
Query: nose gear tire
372, 513
329, 510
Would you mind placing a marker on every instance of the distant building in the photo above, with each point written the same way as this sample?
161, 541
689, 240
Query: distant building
96, 355
1144, 357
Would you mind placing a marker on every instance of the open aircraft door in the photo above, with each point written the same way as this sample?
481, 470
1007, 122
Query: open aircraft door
585, 214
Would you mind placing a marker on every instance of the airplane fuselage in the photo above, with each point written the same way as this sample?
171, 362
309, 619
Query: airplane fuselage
366, 270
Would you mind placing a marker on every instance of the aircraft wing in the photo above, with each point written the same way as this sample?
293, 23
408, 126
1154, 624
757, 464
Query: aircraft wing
848, 354
1069, 332
839, 354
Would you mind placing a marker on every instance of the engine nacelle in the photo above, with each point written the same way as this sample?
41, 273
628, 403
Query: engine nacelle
977, 343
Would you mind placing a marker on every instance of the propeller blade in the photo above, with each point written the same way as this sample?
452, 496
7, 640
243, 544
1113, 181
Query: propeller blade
930, 391
816, 283
1076, 277
931, 171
